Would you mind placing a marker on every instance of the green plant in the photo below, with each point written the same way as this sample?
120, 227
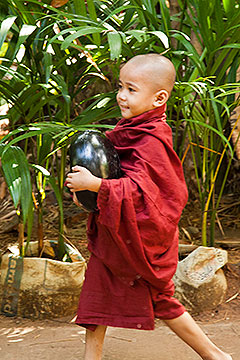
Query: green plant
69, 49
212, 59
208, 144
16, 172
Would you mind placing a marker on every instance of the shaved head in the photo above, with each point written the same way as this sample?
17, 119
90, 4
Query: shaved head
158, 70
145, 83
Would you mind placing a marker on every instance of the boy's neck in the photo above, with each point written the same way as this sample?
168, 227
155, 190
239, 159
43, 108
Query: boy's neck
159, 111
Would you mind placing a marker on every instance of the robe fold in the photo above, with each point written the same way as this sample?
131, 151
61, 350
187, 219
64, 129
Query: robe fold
133, 237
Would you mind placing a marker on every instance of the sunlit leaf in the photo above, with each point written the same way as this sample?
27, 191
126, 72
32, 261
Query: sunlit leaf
40, 168
47, 60
115, 44
138, 34
16, 173
86, 30
229, 6
163, 37
3, 49
24, 33
5, 26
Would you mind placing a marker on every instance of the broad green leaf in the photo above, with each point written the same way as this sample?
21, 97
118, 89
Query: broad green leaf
45, 147
191, 52
35, 109
11, 174
26, 188
91, 9
3, 50
86, 30
80, 7
93, 16
229, 46
25, 15
5, 26
30, 220
165, 13
163, 37
229, 6
95, 115
220, 19
40, 168
24, 33
115, 44
129, 9
216, 113
16, 74
138, 34
34, 131
128, 18
204, 12
150, 6
16, 172
223, 67
47, 61
62, 86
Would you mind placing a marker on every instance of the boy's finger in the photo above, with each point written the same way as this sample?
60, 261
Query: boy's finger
76, 168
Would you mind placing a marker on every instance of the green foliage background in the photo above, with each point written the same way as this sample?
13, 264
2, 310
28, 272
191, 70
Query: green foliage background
59, 70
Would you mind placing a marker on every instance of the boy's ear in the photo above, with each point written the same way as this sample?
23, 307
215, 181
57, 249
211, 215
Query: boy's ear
161, 97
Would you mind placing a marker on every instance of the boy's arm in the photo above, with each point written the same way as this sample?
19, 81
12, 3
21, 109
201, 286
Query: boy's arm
82, 179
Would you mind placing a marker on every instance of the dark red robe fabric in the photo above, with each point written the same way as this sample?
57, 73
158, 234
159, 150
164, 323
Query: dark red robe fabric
133, 237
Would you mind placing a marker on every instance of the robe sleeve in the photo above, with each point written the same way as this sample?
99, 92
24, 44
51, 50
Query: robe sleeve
138, 214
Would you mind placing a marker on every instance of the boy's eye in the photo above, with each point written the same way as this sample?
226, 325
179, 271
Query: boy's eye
119, 86
131, 89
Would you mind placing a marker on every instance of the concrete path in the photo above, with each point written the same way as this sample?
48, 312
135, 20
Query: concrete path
22, 339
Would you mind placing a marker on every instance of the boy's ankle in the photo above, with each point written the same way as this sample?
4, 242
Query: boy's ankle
218, 355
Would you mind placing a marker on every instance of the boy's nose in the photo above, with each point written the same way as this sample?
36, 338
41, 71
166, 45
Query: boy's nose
122, 94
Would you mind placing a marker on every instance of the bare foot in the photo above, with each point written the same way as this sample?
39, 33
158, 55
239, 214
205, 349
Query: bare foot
221, 356
227, 357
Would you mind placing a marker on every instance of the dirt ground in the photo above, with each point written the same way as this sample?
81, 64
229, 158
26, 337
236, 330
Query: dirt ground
24, 339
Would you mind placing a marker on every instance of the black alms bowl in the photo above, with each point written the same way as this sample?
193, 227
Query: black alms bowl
92, 150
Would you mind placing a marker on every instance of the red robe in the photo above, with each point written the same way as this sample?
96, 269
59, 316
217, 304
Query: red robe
133, 237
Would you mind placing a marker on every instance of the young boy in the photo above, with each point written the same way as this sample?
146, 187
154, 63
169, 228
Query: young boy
133, 237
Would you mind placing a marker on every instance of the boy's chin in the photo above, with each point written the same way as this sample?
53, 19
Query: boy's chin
125, 114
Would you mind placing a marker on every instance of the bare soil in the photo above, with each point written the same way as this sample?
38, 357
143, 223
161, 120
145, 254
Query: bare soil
23, 339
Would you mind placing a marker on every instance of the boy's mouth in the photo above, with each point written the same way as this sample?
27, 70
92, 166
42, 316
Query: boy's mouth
123, 107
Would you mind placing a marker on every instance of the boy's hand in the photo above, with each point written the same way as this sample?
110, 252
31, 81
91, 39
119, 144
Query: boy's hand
82, 179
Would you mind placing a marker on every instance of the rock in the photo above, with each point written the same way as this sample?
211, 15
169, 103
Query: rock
39, 288
186, 249
193, 230
200, 284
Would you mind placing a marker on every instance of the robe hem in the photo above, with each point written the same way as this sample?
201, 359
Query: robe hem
138, 324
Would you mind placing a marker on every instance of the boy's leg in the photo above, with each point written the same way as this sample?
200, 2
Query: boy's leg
94, 343
188, 330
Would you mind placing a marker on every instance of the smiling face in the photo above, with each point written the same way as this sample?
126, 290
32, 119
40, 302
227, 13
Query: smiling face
142, 85
135, 96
